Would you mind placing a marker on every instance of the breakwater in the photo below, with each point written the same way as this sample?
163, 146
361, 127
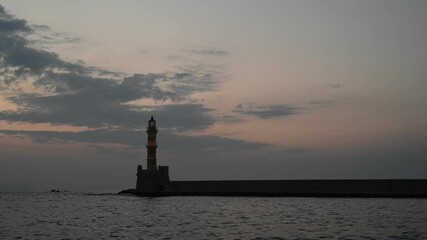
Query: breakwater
154, 181
416, 188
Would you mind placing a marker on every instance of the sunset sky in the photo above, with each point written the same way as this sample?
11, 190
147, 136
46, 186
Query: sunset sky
240, 90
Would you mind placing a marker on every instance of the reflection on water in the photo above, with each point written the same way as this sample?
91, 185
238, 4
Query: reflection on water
107, 216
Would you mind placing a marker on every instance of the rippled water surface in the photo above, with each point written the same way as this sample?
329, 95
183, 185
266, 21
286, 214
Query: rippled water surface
108, 216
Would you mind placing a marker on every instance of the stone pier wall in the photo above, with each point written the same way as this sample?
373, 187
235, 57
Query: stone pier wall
362, 188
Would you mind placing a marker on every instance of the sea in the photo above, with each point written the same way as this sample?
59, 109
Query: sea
86, 215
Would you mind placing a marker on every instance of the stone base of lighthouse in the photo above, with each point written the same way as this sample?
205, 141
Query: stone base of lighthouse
153, 181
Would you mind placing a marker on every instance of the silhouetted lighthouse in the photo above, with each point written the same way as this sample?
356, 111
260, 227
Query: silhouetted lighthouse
152, 179
151, 145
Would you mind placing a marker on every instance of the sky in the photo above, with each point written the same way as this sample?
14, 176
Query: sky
240, 90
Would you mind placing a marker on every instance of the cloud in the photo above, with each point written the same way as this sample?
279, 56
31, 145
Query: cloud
176, 58
137, 139
10, 24
44, 35
320, 102
18, 57
333, 85
35, 60
15, 51
74, 94
85, 109
230, 119
208, 51
238, 108
265, 112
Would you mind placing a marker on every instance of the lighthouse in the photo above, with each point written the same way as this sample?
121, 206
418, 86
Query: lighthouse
151, 145
154, 179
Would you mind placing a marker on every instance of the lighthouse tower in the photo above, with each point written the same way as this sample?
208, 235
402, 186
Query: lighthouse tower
154, 179
151, 145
